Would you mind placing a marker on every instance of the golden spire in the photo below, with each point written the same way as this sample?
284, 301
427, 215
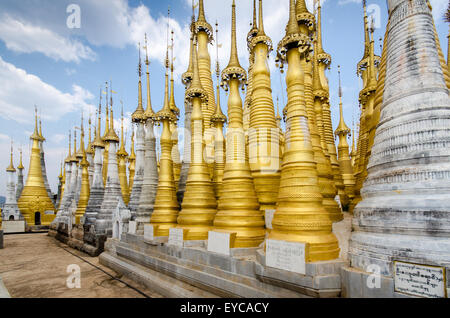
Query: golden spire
138, 114
261, 22
342, 128
89, 148
292, 27
448, 50
372, 83
20, 166
122, 151
234, 59
69, 156
40, 129
82, 149
218, 114
201, 12
366, 32
319, 45
301, 7
74, 155
11, 164
149, 113
98, 142
35, 135
60, 177
107, 114
166, 112
111, 136
79, 154
172, 105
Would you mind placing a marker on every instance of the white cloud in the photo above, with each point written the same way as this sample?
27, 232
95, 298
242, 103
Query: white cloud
23, 37
20, 91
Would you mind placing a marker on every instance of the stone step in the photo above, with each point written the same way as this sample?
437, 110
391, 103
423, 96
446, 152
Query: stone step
183, 265
160, 283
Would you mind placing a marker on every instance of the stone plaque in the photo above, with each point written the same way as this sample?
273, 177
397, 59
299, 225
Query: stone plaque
13, 226
132, 226
148, 232
176, 237
288, 256
49, 212
220, 242
419, 280
269, 217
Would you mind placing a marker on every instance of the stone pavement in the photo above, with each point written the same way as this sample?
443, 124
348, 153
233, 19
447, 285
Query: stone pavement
35, 265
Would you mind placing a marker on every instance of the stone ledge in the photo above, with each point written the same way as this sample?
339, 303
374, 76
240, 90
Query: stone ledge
162, 284
180, 263
3, 291
321, 279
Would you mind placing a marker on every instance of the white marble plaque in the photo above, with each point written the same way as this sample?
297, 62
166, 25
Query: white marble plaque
49, 212
148, 232
219, 242
269, 217
176, 237
288, 256
13, 226
419, 280
132, 226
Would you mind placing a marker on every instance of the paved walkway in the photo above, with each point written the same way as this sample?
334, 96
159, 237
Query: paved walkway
35, 265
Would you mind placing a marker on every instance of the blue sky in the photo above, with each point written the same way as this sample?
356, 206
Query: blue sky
43, 62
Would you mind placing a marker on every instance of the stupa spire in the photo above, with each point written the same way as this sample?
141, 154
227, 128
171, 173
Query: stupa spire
11, 164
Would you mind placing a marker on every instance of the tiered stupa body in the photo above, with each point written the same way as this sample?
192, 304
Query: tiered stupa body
315, 97
97, 189
10, 211
404, 212
199, 202
370, 103
34, 200
165, 209
19, 186
122, 160
204, 33
150, 179
218, 120
44, 170
138, 119
238, 207
187, 80
300, 215
84, 186
344, 160
113, 193
131, 164
264, 147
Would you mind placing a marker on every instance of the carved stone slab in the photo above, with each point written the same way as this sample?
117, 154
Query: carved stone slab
288, 256
176, 236
148, 232
419, 280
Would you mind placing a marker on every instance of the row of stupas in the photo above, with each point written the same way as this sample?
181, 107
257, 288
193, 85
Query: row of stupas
394, 178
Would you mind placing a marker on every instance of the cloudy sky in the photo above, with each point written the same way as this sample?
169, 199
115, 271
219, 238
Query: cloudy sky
61, 69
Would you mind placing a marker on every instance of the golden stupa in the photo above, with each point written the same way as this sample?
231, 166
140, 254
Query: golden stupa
34, 203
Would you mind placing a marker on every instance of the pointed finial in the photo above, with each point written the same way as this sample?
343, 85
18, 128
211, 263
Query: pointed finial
292, 27
234, 69
261, 20
218, 114
254, 23
196, 88
342, 128
173, 106
20, 166
11, 164
98, 142
201, 12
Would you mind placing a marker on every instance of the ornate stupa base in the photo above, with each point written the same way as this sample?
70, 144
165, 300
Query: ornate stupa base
201, 273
